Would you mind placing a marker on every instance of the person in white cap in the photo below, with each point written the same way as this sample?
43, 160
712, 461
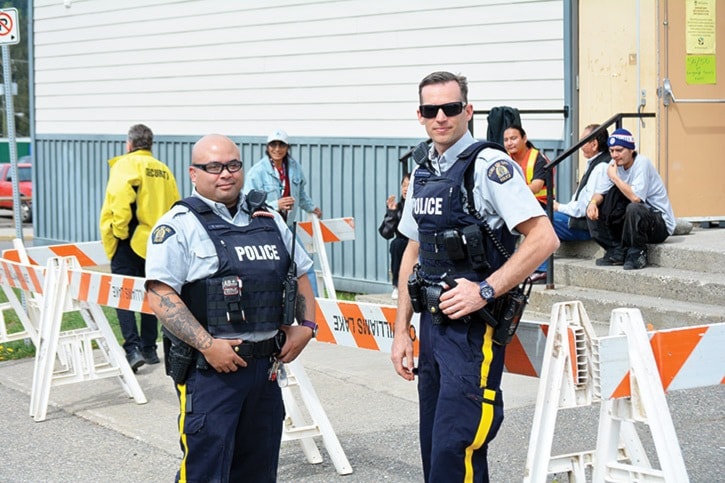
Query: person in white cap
629, 207
281, 177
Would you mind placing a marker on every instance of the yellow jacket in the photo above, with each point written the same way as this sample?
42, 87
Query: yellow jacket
140, 189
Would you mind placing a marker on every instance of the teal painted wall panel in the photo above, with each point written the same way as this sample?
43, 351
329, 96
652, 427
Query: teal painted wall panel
346, 177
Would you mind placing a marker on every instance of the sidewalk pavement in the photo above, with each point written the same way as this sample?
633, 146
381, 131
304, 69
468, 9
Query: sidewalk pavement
93, 432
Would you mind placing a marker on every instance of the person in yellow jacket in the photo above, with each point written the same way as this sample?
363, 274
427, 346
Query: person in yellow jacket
140, 189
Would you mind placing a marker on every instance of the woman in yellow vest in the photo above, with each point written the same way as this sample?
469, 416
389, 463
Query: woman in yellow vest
531, 160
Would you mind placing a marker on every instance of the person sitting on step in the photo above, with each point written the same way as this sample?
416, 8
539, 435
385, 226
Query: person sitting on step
630, 207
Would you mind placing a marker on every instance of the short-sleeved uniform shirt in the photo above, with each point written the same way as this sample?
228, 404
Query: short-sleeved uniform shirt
180, 251
500, 192
646, 184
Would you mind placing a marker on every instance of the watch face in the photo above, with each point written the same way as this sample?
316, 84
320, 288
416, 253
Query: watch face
486, 292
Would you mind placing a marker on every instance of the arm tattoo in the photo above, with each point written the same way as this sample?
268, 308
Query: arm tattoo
300, 308
175, 316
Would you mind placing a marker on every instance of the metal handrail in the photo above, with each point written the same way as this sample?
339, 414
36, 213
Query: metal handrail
617, 121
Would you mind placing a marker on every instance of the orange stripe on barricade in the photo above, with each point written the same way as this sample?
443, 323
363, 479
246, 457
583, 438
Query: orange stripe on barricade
37, 283
517, 360
672, 349
623, 390
73, 251
358, 327
18, 269
306, 226
327, 235
390, 313
104, 290
11, 255
125, 296
324, 332
84, 286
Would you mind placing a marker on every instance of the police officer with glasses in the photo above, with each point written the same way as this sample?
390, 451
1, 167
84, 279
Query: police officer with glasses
216, 271
464, 213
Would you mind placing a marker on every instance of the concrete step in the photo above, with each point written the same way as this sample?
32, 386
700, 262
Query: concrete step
662, 313
684, 285
703, 250
663, 282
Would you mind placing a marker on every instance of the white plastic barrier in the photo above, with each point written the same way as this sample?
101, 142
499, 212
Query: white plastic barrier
628, 371
65, 357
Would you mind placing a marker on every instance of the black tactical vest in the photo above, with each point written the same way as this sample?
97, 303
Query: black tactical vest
245, 294
444, 212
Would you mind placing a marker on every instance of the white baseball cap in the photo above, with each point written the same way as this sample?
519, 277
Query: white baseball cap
277, 135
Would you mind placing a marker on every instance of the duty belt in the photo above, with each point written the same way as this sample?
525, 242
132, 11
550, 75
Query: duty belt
258, 350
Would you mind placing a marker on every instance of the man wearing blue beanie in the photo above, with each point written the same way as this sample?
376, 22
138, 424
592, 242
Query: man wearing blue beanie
629, 207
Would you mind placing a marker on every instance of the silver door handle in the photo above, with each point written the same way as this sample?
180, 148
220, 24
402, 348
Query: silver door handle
665, 92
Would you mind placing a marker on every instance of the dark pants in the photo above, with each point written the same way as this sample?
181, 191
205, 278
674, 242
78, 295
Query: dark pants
230, 424
126, 262
641, 225
397, 247
461, 405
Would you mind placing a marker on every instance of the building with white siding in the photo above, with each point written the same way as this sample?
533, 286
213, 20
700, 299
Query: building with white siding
320, 68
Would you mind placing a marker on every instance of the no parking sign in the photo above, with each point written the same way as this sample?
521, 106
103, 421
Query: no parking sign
9, 34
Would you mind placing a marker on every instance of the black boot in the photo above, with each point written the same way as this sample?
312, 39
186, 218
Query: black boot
636, 259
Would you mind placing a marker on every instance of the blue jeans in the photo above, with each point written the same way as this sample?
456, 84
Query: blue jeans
561, 227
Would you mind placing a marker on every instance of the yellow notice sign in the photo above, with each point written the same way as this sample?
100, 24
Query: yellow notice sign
700, 26
701, 69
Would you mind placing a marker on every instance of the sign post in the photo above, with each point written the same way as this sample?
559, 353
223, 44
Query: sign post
9, 36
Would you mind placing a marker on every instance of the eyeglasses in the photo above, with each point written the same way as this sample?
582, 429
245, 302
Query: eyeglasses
277, 144
450, 109
215, 167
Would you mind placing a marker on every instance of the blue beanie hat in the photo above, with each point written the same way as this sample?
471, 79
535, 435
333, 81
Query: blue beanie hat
621, 137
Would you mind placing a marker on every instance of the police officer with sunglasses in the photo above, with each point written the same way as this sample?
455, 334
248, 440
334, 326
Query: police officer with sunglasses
216, 271
464, 209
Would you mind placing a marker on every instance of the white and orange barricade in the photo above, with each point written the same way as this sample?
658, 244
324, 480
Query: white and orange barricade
315, 233
627, 371
64, 357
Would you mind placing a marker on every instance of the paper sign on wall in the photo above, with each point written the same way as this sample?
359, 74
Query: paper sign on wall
700, 25
701, 69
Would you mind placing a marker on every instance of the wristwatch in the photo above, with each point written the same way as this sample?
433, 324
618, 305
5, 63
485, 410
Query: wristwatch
311, 325
487, 293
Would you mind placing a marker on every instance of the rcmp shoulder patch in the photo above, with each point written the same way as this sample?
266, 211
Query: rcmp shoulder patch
161, 233
500, 171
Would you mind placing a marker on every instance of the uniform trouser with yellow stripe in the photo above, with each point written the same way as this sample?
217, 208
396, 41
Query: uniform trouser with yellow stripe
230, 425
461, 408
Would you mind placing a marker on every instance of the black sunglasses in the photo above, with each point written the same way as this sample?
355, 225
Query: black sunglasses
450, 109
215, 167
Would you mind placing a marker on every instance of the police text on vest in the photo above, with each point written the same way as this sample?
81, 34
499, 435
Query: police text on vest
428, 206
257, 252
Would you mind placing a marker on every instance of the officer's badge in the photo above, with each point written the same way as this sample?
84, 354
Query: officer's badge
161, 234
500, 172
